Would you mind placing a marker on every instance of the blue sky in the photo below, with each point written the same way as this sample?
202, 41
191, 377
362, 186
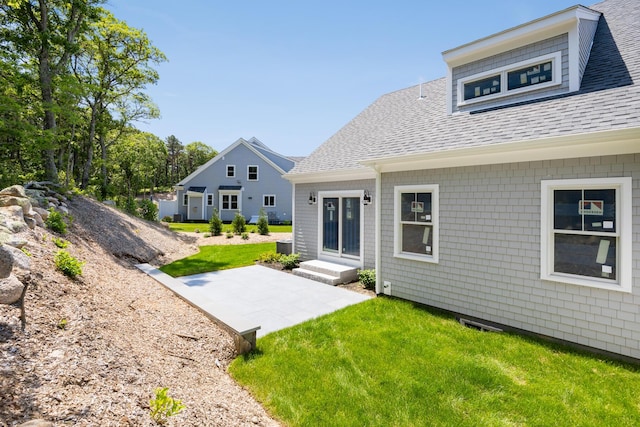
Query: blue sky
292, 73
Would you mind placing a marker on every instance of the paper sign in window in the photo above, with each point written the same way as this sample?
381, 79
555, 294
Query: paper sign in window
591, 207
417, 207
607, 224
603, 251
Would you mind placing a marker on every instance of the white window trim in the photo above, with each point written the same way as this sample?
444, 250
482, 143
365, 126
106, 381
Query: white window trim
624, 218
185, 199
434, 189
227, 171
264, 205
331, 256
223, 193
209, 199
556, 72
257, 173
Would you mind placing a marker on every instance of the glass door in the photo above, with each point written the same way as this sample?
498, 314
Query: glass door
341, 226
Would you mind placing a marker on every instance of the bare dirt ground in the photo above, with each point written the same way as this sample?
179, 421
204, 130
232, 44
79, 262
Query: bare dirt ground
95, 348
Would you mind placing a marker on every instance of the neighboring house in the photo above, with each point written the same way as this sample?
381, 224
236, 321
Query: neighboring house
245, 177
508, 192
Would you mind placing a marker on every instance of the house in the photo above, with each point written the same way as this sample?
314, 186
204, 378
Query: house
245, 177
507, 192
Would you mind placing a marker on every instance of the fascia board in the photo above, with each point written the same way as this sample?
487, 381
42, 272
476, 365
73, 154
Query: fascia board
605, 143
330, 176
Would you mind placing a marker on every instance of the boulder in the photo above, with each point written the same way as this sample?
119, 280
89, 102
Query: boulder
10, 290
10, 200
21, 261
44, 214
6, 262
12, 218
14, 190
35, 216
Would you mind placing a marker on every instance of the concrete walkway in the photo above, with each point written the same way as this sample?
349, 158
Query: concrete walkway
270, 298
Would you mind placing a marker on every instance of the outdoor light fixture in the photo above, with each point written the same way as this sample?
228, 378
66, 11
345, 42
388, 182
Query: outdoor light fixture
366, 198
312, 198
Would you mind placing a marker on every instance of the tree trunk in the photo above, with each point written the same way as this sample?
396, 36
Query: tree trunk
86, 173
103, 166
50, 169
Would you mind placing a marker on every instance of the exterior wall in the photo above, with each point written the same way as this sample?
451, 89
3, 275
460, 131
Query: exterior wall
554, 44
305, 224
586, 30
489, 265
270, 182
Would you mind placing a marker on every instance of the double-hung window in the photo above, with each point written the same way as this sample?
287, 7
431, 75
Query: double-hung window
231, 171
269, 201
209, 199
252, 173
230, 202
416, 222
586, 232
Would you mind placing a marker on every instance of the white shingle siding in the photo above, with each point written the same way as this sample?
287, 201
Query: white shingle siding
554, 44
306, 218
490, 253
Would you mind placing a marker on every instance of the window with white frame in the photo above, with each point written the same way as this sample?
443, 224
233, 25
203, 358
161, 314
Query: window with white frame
524, 76
586, 232
269, 201
229, 202
252, 173
209, 199
231, 171
185, 199
416, 222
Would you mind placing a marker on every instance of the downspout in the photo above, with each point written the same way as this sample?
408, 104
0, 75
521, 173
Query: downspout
378, 232
293, 218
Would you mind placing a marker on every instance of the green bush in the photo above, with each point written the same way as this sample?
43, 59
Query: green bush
55, 221
270, 257
263, 223
66, 263
167, 219
130, 206
245, 236
215, 224
367, 278
61, 243
164, 406
147, 210
239, 224
289, 262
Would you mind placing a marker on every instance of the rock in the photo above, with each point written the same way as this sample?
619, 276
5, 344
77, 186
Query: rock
44, 214
9, 200
21, 261
31, 222
16, 242
14, 190
63, 209
36, 217
36, 423
12, 217
10, 290
6, 262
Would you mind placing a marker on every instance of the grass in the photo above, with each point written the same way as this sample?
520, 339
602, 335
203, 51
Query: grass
219, 257
389, 362
191, 227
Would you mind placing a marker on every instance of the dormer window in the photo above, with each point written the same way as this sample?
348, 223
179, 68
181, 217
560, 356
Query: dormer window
533, 74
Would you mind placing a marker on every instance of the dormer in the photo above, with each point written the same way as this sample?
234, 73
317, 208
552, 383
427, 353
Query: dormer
542, 58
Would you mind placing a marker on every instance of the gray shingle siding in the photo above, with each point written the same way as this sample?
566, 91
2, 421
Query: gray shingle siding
534, 50
306, 221
586, 30
489, 263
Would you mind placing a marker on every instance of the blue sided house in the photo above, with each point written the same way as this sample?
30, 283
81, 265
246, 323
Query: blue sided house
506, 192
245, 177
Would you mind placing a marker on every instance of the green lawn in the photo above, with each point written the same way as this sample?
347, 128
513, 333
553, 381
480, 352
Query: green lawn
220, 257
389, 362
191, 227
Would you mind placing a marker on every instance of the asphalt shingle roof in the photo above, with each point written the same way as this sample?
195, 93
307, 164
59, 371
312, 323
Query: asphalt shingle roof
399, 123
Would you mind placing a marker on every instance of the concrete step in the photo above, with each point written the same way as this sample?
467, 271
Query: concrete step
327, 272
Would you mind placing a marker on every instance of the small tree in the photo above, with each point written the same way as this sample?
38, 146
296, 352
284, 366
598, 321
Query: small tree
215, 224
148, 210
239, 224
263, 223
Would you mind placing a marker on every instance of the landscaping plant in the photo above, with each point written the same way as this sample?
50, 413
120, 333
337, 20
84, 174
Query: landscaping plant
164, 406
367, 278
215, 224
289, 262
263, 223
68, 264
239, 224
55, 222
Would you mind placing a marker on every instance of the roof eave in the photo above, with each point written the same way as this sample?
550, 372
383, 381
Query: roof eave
330, 176
603, 143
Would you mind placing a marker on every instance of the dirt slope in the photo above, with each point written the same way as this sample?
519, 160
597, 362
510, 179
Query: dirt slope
95, 348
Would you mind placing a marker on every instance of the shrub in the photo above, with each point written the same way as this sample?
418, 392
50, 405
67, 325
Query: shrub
367, 278
229, 235
66, 263
167, 219
148, 210
61, 243
263, 223
270, 257
164, 406
55, 221
245, 236
130, 206
239, 224
289, 262
215, 224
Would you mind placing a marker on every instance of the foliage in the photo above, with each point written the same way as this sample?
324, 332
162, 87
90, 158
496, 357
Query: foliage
59, 242
389, 362
25, 251
55, 221
270, 257
229, 235
291, 261
148, 210
367, 278
239, 223
164, 406
188, 227
263, 223
215, 223
62, 324
166, 219
245, 236
68, 264
218, 257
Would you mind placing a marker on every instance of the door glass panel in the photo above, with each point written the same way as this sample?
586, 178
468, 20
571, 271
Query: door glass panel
330, 224
351, 226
